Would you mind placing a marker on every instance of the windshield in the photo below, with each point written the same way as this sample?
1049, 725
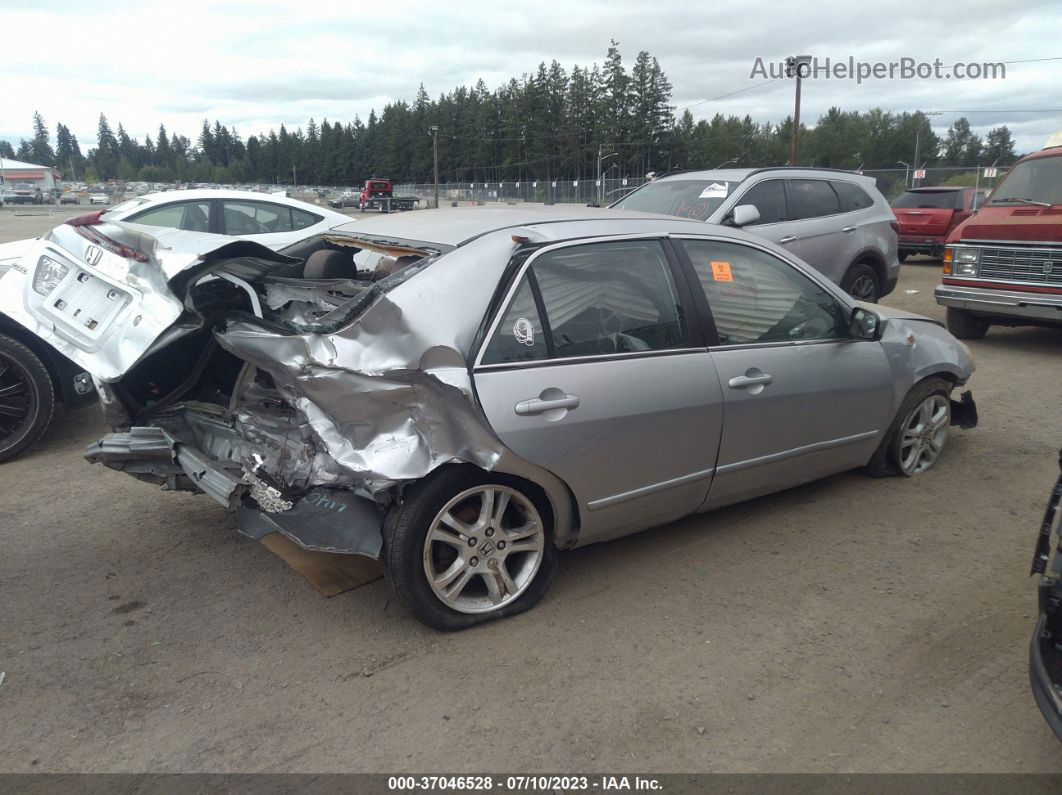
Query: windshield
943, 199
686, 198
1037, 180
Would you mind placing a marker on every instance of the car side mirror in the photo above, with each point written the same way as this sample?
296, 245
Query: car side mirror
744, 214
864, 324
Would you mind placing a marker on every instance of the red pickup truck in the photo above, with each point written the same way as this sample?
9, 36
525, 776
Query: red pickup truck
927, 216
1004, 265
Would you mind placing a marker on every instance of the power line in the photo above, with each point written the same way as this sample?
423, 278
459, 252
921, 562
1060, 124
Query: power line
732, 93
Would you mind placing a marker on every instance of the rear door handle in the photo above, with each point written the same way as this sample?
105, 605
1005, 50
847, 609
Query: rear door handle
788, 239
849, 229
526, 408
745, 381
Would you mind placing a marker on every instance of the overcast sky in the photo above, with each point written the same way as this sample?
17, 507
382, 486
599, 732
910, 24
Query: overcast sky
256, 64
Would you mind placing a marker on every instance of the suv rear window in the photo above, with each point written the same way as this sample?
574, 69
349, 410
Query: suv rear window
929, 199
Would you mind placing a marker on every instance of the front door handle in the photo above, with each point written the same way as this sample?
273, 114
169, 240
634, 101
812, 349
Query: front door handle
849, 229
788, 239
526, 408
751, 378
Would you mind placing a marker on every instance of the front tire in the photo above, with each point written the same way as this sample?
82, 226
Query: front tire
918, 433
466, 547
27, 399
861, 282
966, 326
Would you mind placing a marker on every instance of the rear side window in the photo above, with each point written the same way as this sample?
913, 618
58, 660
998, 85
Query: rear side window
769, 198
190, 216
852, 196
263, 218
811, 198
599, 299
519, 336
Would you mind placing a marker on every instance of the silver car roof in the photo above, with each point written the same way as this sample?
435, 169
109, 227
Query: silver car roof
446, 229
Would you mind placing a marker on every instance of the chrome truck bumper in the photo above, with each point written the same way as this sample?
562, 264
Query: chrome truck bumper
1010, 303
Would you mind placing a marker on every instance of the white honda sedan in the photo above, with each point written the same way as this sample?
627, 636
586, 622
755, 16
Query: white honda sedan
273, 221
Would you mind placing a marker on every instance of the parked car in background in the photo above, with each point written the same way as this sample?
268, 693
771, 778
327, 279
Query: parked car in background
927, 216
491, 392
272, 220
24, 193
836, 221
1003, 266
345, 199
34, 377
99, 198
70, 198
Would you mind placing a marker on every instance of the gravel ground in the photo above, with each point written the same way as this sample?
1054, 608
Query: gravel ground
851, 625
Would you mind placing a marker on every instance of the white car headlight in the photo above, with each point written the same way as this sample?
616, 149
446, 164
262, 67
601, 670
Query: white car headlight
964, 260
48, 275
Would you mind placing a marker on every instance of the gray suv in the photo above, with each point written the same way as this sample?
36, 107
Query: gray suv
836, 221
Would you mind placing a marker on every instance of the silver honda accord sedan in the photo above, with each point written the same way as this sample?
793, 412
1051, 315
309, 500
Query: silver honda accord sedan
499, 385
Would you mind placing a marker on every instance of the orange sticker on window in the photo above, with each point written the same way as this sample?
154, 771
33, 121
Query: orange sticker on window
721, 271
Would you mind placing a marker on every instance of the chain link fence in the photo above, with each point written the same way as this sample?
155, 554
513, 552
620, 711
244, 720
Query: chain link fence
544, 191
894, 181
891, 182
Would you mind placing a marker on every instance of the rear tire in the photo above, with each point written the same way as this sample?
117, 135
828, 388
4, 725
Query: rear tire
499, 559
861, 282
966, 326
898, 453
27, 399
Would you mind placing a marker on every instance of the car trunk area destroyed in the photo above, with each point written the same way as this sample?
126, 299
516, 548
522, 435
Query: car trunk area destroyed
252, 384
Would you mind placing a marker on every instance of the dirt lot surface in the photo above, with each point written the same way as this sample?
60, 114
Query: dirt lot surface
851, 625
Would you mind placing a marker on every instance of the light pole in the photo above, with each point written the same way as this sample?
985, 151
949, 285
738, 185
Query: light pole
433, 131
600, 160
796, 66
906, 174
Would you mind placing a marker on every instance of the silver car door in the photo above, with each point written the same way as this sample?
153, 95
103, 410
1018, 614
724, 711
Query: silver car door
801, 398
591, 371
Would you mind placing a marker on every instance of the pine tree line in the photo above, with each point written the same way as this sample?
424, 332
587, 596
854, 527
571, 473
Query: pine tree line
554, 123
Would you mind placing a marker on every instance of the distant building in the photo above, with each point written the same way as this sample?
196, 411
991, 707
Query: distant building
45, 177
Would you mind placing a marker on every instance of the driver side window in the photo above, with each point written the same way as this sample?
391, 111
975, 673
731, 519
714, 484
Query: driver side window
756, 298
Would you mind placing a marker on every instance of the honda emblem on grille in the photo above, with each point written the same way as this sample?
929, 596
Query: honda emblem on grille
1048, 266
93, 255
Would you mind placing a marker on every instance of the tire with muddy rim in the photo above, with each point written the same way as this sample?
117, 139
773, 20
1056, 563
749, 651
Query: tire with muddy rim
27, 399
466, 546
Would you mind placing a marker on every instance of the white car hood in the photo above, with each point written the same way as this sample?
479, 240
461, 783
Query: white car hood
120, 292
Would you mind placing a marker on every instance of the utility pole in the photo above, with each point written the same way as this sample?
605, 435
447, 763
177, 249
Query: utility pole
433, 131
294, 181
796, 66
918, 143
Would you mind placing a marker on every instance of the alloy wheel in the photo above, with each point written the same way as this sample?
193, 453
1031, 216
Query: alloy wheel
924, 433
483, 549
